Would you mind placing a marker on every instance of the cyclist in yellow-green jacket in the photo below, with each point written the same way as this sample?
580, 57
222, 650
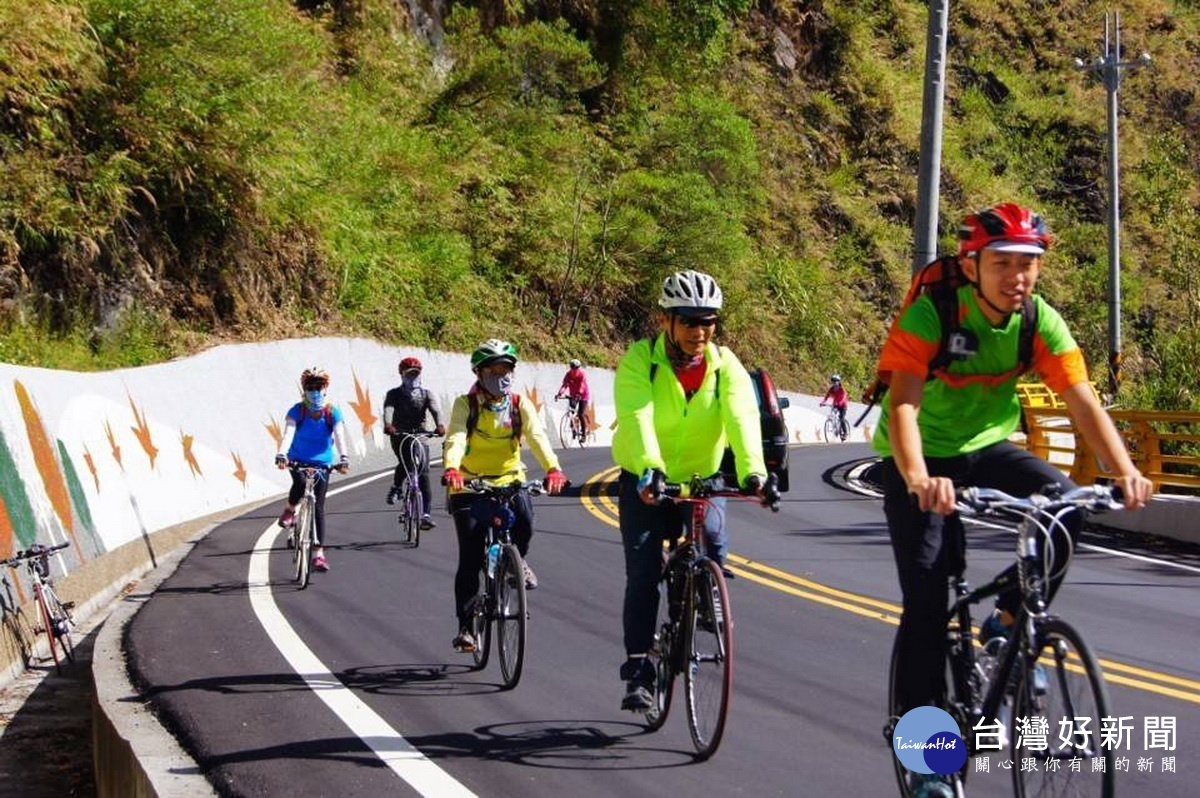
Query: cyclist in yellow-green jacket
680, 400
483, 441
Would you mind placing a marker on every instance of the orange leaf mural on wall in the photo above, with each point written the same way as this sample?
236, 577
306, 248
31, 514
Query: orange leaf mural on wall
47, 464
362, 407
188, 456
91, 464
6, 532
534, 399
142, 433
276, 433
240, 472
112, 442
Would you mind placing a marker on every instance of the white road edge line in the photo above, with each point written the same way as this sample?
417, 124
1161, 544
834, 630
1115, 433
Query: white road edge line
858, 487
388, 744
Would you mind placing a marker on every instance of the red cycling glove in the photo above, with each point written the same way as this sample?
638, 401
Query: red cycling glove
452, 479
555, 481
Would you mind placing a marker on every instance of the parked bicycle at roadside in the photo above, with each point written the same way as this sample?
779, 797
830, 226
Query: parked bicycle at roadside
54, 615
501, 600
694, 633
1044, 669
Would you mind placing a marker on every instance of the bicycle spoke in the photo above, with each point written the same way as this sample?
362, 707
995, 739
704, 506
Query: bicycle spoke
481, 626
708, 670
1068, 686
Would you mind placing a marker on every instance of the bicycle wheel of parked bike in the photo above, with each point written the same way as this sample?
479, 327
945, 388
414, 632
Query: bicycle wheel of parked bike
662, 657
708, 668
511, 615
481, 622
305, 519
1069, 685
62, 622
46, 602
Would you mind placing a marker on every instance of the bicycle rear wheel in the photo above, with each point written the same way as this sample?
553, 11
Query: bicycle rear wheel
511, 616
1070, 686
481, 622
708, 669
304, 536
663, 657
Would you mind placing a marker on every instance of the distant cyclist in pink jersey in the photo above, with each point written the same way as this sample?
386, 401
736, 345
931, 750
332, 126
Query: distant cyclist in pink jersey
837, 396
575, 388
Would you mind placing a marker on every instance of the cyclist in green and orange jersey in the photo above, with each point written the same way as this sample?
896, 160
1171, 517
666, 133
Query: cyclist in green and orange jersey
952, 430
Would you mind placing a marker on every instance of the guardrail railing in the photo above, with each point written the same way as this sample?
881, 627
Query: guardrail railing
1165, 445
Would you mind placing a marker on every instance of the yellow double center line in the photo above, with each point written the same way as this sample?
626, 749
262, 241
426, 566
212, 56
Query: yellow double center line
597, 495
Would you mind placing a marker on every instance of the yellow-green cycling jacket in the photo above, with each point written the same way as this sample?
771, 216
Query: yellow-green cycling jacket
657, 427
491, 452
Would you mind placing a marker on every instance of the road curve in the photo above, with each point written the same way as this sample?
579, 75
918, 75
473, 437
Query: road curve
351, 688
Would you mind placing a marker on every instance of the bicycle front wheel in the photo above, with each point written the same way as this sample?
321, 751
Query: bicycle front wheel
708, 669
410, 518
663, 656
47, 625
830, 430
304, 536
564, 430
1065, 684
511, 616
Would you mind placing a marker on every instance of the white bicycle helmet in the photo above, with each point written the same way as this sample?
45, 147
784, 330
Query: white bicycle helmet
691, 293
575, 363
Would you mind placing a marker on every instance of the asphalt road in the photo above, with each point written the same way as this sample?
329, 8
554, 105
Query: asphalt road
250, 672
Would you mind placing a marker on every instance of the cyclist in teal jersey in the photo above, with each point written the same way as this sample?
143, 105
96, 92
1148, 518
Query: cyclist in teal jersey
953, 430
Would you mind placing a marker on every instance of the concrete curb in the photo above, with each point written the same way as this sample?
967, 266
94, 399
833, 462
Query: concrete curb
133, 755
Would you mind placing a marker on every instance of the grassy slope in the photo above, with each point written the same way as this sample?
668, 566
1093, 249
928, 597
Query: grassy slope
168, 185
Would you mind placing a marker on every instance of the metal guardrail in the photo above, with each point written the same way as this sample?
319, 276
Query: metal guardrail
1165, 445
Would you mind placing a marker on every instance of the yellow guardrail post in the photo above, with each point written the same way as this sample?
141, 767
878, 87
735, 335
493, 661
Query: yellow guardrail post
1165, 445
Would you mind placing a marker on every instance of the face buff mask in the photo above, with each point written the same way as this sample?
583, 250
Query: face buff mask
314, 399
411, 381
497, 385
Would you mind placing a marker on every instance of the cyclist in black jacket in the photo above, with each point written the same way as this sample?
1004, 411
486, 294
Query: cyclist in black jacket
404, 410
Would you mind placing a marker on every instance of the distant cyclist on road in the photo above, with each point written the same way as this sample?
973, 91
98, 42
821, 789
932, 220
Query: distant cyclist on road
575, 388
404, 411
680, 398
838, 396
952, 431
487, 425
313, 429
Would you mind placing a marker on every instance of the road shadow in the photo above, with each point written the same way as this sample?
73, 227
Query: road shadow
46, 748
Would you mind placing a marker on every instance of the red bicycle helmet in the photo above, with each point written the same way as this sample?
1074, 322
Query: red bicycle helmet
409, 363
1018, 227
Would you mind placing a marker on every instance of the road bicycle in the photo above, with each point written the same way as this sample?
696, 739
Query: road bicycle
836, 427
303, 535
412, 504
573, 427
501, 599
694, 630
54, 615
1043, 670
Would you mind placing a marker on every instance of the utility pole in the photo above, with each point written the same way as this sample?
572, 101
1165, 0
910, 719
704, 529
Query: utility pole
1110, 67
929, 170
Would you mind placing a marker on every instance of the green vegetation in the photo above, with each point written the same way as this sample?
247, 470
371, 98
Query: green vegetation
182, 172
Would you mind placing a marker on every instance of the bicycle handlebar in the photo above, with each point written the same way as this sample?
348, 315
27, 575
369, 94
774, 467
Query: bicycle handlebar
36, 550
715, 487
989, 501
533, 487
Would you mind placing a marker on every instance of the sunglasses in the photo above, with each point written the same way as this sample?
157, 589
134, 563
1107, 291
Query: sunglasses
694, 322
